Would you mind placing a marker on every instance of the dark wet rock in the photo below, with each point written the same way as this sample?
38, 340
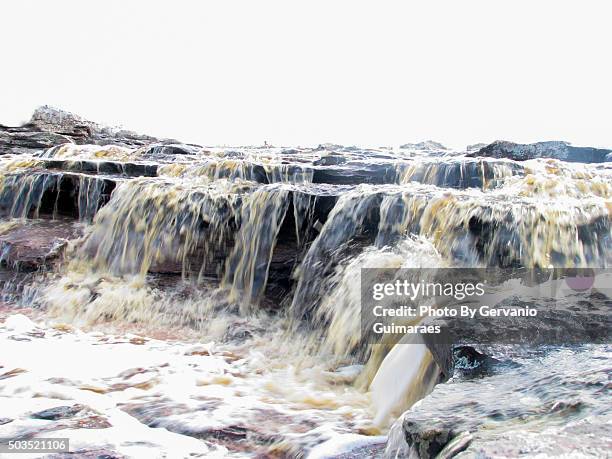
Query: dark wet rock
442, 354
562, 316
129, 169
307, 210
459, 173
240, 330
428, 440
498, 243
353, 174
471, 362
139, 170
35, 193
31, 245
19, 338
16, 140
257, 431
330, 160
557, 150
169, 150
59, 412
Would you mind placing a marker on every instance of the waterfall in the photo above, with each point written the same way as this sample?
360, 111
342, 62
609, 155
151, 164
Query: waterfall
270, 242
260, 218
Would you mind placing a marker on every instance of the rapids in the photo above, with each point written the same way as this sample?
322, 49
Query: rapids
207, 299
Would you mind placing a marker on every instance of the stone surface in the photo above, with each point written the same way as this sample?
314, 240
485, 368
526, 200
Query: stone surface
538, 403
129, 169
16, 140
557, 150
31, 245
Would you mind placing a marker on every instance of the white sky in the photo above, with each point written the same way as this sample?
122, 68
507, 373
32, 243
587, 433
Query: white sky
351, 72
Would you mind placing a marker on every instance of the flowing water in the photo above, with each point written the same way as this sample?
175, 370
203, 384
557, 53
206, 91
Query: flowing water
207, 303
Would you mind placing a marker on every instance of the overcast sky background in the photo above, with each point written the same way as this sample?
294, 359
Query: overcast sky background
367, 73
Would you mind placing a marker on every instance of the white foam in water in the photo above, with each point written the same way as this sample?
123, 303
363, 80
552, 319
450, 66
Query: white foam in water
19, 323
195, 387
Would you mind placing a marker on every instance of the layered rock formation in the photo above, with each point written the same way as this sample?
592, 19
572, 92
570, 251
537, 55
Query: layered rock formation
556, 150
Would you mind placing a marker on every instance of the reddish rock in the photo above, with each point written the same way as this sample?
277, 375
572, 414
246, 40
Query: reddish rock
33, 244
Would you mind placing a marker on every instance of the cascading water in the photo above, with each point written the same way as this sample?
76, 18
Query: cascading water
260, 250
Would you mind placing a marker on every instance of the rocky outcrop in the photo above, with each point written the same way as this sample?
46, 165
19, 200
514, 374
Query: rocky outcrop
81, 131
556, 150
50, 127
26, 139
